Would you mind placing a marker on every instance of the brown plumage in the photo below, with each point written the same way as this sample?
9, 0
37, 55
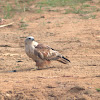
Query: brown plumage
42, 54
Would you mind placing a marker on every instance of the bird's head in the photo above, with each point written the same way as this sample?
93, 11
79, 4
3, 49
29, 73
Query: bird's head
29, 40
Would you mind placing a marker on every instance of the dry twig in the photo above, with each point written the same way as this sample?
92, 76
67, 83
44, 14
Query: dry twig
6, 25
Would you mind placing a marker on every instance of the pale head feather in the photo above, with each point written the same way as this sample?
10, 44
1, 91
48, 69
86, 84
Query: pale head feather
30, 41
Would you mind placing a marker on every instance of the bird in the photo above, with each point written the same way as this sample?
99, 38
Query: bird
42, 54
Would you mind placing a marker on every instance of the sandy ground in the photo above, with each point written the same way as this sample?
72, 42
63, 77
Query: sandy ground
77, 38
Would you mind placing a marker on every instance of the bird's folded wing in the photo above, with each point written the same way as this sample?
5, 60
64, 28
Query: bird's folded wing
46, 53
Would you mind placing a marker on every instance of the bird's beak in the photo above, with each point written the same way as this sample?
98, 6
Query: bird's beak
32, 39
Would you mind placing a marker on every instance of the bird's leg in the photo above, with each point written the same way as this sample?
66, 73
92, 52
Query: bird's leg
42, 64
47, 64
39, 68
35, 68
39, 65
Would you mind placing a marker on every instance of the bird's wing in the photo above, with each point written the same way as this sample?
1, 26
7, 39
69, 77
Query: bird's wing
46, 53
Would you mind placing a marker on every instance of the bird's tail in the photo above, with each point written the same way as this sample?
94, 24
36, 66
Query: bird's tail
63, 60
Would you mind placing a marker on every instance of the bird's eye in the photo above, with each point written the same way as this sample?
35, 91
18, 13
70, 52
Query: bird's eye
29, 38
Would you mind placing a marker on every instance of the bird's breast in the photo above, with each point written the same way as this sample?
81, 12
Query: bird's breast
30, 52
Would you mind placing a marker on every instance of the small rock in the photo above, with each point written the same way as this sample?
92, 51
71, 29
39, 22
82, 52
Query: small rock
42, 17
76, 89
48, 22
19, 61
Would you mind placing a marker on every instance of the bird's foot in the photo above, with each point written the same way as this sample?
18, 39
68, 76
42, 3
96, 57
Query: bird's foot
35, 68
39, 68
